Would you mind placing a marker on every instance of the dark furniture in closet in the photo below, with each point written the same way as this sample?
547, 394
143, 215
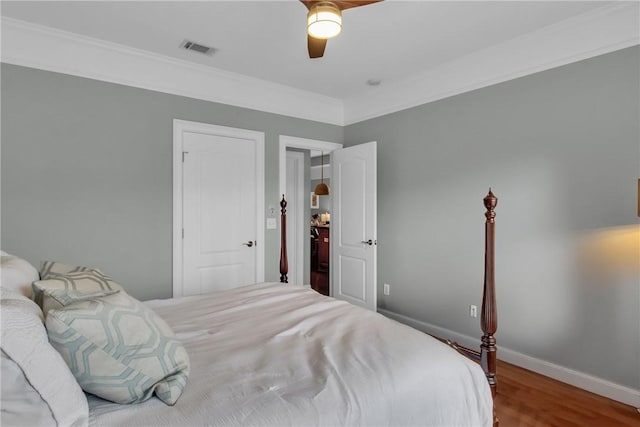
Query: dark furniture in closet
320, 259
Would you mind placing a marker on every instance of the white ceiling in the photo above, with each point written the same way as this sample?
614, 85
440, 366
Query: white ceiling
391, 41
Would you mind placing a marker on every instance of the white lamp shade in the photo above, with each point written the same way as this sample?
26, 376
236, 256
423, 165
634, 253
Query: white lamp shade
324, 21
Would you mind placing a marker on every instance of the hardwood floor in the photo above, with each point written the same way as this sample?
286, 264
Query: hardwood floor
528, 399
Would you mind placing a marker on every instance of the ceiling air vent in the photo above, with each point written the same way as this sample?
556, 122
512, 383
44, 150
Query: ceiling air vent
189, 45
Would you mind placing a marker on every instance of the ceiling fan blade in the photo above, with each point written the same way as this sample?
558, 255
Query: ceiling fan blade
316, 47
347, 4
308, 3
341, 4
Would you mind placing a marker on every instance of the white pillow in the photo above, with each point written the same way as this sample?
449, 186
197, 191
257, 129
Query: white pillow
21, 403
24, 340
17, 274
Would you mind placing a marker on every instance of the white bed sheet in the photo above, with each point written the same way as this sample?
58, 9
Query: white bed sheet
273, 354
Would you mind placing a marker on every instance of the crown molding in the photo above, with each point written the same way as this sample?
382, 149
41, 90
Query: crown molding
590, 34
36, 46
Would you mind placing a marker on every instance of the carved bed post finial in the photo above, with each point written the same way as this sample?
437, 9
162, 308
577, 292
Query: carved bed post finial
489, 319
284, 262
490, 203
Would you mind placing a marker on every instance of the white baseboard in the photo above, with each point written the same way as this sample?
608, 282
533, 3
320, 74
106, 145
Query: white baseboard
575, 378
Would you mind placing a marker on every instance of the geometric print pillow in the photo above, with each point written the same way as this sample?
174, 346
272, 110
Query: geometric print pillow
89, 281
54, 267
54, 299
119, 349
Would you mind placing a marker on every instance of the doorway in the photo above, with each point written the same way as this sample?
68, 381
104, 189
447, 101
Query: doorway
320, 268
353, 231
301, 234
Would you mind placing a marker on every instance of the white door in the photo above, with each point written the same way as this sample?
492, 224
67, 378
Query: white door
353, 225
222, 243
295, 215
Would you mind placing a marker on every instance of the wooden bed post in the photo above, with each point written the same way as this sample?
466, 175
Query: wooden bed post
489, 319
284, 262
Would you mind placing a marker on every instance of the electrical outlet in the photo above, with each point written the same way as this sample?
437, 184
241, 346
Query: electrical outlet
473, 311
386, 289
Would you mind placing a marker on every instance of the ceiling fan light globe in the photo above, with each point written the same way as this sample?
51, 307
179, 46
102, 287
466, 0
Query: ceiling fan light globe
324, 21
324, 29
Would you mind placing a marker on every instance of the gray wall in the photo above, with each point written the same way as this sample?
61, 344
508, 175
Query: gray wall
86, 178
86, 172
561, 150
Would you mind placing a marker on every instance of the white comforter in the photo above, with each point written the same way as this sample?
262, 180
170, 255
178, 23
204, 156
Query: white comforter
280, 355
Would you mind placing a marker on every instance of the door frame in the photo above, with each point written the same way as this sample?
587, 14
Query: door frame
296, 224
179, 128
305, 144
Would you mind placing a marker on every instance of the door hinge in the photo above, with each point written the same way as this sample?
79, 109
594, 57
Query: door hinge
183, 153
183, 233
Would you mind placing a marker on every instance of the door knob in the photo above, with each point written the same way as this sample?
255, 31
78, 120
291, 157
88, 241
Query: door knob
249, 243
368, 242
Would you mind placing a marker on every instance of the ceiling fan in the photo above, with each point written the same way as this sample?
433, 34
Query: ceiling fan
324, 21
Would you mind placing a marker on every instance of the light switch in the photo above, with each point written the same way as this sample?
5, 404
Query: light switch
271, 223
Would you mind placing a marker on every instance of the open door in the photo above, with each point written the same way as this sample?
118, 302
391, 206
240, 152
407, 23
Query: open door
353, 225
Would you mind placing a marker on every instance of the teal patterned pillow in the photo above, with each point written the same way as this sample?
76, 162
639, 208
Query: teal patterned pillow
119, 349
48, 268
87, 281
53, 299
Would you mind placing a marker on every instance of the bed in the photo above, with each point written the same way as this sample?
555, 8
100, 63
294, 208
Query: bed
277, 354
